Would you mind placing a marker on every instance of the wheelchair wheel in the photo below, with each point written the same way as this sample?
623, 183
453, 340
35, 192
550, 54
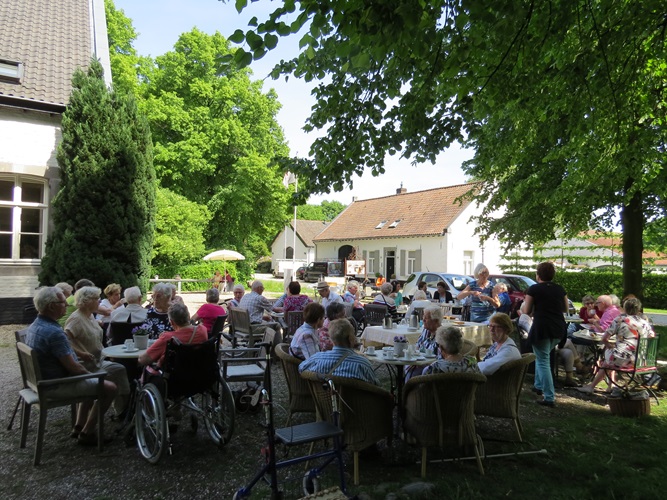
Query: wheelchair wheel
151, 423
219, 413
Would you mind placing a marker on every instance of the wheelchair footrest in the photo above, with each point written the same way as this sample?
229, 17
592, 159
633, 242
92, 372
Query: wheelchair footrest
307, 433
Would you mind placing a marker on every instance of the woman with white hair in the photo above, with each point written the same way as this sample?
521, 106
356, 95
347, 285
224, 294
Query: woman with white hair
500, 299
384, 298
351, 296
158, 313
480, 291
85, 336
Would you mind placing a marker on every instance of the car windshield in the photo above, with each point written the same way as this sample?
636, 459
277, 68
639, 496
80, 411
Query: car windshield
523, 283
459, 282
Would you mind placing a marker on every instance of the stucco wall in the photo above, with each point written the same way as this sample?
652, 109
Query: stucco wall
301, 251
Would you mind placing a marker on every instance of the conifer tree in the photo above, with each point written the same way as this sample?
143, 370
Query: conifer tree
103, 214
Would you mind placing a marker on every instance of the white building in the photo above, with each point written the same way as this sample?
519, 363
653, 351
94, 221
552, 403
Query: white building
408, 232
302, 248
42, 43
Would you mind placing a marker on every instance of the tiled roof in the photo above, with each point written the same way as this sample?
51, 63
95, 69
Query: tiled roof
422, 213
308, 229
51, 39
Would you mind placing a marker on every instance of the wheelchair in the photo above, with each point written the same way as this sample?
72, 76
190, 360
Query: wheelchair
191, 381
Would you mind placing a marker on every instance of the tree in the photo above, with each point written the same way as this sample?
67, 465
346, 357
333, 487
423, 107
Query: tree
327, 210
103, 214
563, 101
124, 58
179, 229
215, 136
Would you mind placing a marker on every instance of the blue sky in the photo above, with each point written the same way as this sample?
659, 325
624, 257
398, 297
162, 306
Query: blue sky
160, 23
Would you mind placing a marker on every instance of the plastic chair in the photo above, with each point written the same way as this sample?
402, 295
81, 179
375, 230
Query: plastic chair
242, 331
37, 394
300, 398
499, 397
439, 411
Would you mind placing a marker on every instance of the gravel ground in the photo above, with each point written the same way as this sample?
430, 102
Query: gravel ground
197, 469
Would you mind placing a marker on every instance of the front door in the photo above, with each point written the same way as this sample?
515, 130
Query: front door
390, 264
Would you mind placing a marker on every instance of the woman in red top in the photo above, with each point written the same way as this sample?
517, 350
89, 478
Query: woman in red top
208, 312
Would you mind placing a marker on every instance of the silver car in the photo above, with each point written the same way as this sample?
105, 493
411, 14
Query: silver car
455, 282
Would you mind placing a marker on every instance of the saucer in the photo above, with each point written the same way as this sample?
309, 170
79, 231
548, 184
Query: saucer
429, 356
412, 329
371, 354
130, 350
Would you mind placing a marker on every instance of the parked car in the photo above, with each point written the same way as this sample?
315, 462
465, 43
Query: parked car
300, 273
516, 287
455, 282
320, 270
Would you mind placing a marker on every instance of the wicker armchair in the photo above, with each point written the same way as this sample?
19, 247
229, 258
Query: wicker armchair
300, 398
469, 348
365, 411
439, 412
499, 397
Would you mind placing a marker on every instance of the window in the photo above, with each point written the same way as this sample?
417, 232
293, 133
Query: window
412, 258
11, 71
22, 217
468, 257
394, 224
381, 224
289, 253
371, 265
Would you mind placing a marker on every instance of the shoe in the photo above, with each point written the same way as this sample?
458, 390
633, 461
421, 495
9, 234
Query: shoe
537, 391
91, 439
569, 382
544, 402
587, 389
76, 430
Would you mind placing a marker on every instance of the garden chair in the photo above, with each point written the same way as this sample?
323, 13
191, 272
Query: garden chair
300, 398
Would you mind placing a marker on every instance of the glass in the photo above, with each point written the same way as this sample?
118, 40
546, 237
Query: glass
7, 190
32, 192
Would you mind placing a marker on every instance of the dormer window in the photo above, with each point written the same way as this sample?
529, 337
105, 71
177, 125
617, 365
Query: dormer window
394, 224
11, 71
381, 224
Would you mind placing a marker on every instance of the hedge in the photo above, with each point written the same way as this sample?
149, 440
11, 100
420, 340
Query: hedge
600, 283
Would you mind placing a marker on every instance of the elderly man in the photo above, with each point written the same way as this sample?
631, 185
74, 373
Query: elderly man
341, 361
57, 359
328, 297
256, 303
609, 312
132, 312
238, 292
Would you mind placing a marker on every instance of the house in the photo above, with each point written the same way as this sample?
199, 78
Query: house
408, 232
285, 246
42, 43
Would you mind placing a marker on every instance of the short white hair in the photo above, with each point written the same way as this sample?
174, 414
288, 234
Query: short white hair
435, 312
419, 295
256, 284
46, 296
478, 269
133, 295
87, 294
238, 287
162, 289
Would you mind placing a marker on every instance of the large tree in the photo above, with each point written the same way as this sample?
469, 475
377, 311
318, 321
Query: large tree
103, 213
215, 137
564, 102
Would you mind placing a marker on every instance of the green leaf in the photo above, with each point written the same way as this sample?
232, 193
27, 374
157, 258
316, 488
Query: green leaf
270, 41
237, 37
242, 58
240, 5
254, 40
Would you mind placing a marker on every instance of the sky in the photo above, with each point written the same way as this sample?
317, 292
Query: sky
159, 23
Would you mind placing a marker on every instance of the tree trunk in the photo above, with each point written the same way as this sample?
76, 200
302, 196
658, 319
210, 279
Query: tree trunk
632, 223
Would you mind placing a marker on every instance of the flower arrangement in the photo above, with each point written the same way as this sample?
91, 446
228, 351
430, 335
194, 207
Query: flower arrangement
400, 339
145, 329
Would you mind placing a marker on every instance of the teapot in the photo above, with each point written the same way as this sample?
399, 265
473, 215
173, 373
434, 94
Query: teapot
414, 320
387, 324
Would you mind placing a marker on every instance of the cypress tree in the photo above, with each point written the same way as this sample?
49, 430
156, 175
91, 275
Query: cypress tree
103, 214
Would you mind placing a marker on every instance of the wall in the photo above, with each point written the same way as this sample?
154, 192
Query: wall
29, 140
302, 252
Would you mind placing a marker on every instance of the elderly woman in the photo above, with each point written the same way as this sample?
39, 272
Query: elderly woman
546, 301
335, 310
210, 311
503, 348
295, 300
157, 315
85, 336
238, 292
419, 301
500, 299
132, 312
384, 298
628, 328
306, 340
109, 303
450, 341
480, 291
442, 295
351, 296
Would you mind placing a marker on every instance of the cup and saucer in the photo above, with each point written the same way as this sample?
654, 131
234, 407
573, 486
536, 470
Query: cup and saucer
370, 351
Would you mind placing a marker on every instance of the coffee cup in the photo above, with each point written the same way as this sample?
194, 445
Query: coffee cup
370, 350
129, 344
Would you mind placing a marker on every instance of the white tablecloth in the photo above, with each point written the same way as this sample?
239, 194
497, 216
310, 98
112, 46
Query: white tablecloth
377, 335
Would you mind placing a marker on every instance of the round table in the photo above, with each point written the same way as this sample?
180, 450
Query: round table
119, 351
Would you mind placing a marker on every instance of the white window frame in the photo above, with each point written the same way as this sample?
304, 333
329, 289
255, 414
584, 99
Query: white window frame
468, 260
411, 262
371, 265
17, 207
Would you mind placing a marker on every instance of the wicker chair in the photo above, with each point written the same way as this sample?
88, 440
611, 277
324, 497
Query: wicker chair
499, 397
469, 348
293, 319
439, 412
365, 411
300, 398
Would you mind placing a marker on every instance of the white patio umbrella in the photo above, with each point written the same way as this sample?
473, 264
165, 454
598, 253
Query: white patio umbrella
224, 255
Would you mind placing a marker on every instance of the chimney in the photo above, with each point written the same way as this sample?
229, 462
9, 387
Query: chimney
401, 190
354, 198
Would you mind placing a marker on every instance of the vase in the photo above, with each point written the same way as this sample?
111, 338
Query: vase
400, 348
140, 341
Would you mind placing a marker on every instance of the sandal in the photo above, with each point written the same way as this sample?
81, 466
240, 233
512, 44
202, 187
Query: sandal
76, 430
